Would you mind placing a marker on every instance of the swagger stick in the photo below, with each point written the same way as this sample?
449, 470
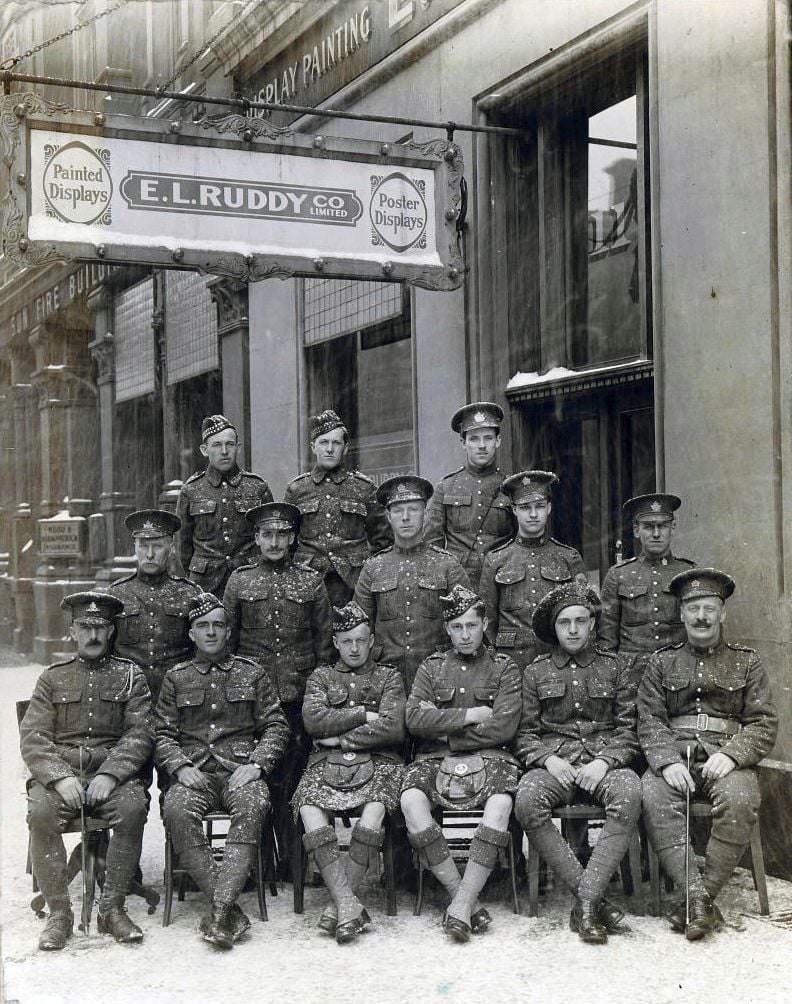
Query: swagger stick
687, 843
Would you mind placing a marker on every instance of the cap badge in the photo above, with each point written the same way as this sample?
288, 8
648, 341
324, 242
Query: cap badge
461, 768
479, 417
349, 756
148, 525
527, 481
655, 507
695, 584
93, 608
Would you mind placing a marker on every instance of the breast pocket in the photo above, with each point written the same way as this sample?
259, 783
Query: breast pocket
241, 703
728, 689
129, 626
512, 588
204, 516
485, 695
353, 519
189, 704
113, 699
555, 574
294, 609
386, 597
551, 692
429, 590
601, 692
500, 520
174, 624
459, 511
337, 696
444, 696
252, 610
676, 683
68, 705
634, 603
309, 528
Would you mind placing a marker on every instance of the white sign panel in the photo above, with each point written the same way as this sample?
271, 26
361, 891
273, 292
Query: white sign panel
258, 205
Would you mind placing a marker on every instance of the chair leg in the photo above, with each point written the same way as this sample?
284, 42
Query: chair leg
261, 884
634, 861
533, 882
270, 857
391, 906
420, 893
758, 870
166, 910
513, 875
299, 860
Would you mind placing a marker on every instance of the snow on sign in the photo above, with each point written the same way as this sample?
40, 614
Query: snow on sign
228, 195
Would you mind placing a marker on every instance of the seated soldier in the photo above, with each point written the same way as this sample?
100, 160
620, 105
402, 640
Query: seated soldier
89, 719
354, 711
463, 711
220, 734
577, 738
706, 718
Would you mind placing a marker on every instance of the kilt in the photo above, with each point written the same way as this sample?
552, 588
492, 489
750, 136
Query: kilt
502, 778
384, 786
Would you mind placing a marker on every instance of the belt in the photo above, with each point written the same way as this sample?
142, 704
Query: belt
706, 723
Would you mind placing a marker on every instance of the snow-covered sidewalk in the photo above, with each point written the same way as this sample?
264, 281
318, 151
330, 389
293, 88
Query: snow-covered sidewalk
402, 959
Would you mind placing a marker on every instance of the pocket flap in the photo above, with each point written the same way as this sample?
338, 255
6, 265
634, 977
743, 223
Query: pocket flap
199, 564
132, 608
114, 692
457, 500
352, 506
296, 594
240, 692
384, 583
428, 581
629, 590
676, 677
445, 693
555, 573
244, 505
485, 693
507, 576
67, 696
242, 747
308, 506
257, 595
551, 688
601, 688
190, 698
337, 695
505, 639
200, 507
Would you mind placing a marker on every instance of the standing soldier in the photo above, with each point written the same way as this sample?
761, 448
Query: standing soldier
463, 711
279, 615
706, 703
354, 710
639, 611
468, 513
516, 576
342, 522
152, 629
577, 738
89, 720
215, 537
220, 735
400, 587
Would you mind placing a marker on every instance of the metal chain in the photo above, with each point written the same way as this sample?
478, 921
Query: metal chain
10, 63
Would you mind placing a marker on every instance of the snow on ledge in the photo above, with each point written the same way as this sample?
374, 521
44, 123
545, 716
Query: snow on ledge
557, 373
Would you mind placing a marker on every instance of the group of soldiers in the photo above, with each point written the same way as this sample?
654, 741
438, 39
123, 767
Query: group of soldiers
362, 650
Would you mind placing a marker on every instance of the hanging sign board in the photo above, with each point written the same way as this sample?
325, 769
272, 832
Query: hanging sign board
229, 196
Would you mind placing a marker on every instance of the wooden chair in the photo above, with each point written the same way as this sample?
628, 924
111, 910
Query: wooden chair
453, 822
630, 866
703, 811
175, 874
299, 855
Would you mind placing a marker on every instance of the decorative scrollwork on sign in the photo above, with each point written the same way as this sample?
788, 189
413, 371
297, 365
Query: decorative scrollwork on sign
269, 270
232, 266
13, 109
240, 124
430, 148
15, 243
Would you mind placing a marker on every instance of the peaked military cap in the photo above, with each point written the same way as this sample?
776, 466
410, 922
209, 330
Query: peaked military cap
696, 582
213, 424
323, 423
477, 415
459, 601
92, 607
275, 516
201, 605
350, 616
655, 504
151, 523
571, 594
529, 484
406, 488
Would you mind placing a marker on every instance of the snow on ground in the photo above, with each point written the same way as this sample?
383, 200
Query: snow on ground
403, 959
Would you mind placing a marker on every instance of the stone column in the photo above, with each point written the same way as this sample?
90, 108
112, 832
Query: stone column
231, 297
27, 467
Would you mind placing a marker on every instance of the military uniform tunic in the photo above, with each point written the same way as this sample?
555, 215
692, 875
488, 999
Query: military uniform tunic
103, 706
215, 538
639, 612
446, 685
280, 616
400, 591
724, 695
514, 579
152, 630
342, 523
469, 515
336, 701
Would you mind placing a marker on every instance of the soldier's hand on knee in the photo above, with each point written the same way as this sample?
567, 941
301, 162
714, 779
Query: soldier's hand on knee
678, 777
71, 791
590, 776
100, 789
191, 777
243, 774
562, 770
717, 766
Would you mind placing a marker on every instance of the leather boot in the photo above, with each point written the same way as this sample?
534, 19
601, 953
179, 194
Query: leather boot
220, 931
483, 856
363, 844
584, 921
57, 930
610, 916
351, 914
116, 921
676, 918
703, 917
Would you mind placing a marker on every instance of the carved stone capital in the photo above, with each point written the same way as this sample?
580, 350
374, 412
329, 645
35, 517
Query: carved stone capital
103, 353
231, 297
